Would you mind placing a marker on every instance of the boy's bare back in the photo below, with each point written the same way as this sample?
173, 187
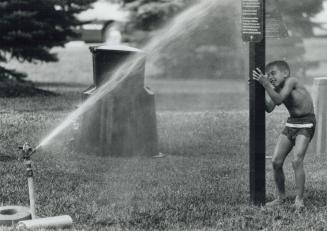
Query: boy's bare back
299, 101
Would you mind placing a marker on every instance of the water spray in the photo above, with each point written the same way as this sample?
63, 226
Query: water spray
173, 30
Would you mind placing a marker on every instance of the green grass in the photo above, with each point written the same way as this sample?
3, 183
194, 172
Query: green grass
201, 184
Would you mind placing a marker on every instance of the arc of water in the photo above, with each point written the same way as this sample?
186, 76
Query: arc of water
174, 30
120, 75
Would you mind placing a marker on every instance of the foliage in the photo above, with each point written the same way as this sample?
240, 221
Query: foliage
210, 50
297, 15
149, 15
208, 47
30, 28
200, 42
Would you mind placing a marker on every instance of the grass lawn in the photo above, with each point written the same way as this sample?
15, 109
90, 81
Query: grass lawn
201, 183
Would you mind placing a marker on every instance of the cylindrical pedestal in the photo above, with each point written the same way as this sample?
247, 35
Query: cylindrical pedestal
123, 121
32, 196
319, 93
29, 174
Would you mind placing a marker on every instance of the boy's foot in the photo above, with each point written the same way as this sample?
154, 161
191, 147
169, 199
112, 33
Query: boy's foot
299, 205
276, 202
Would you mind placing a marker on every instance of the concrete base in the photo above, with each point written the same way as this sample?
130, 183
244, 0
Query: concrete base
12, 214
319, 93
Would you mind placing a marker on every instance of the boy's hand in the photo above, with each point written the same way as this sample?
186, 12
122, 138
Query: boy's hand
260, 77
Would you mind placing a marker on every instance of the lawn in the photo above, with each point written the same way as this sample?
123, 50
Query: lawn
201, 183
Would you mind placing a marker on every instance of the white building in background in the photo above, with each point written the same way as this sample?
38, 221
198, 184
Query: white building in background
104, 22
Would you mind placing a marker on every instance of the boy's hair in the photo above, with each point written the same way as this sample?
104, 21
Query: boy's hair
281, 64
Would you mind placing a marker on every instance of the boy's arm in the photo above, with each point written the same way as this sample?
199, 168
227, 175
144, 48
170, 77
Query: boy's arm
277, 97
270, 105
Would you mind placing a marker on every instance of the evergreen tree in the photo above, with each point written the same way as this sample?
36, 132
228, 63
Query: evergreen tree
30, 28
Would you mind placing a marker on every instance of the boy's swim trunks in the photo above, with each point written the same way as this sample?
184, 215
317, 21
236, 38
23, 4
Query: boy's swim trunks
304, 125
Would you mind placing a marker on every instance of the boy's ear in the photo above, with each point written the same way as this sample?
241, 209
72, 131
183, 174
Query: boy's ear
287, 73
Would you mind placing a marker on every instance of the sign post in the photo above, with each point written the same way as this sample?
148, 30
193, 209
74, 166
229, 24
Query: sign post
253, 31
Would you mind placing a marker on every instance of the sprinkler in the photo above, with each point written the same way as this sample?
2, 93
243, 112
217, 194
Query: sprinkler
26, 217
27, 151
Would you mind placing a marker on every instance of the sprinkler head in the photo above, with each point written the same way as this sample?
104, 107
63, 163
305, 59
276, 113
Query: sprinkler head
27, 151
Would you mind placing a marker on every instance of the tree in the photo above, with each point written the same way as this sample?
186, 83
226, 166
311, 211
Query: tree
209, 48
215, 45
149, 14
296, 15
30, 28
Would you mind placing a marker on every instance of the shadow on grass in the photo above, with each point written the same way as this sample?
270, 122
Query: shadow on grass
6, 158
22, 89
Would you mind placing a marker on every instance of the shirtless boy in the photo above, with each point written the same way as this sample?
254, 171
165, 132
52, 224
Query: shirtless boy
281, 88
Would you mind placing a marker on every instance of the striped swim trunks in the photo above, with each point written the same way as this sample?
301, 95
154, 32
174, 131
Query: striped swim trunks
301, 125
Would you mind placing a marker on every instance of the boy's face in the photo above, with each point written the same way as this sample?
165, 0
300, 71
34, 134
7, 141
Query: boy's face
276, 76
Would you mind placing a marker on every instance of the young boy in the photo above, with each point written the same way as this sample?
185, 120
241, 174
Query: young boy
281, 88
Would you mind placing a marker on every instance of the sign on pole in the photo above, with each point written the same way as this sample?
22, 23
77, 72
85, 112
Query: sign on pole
252, 20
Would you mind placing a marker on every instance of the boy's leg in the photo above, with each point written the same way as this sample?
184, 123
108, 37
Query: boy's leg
283, 147
300, 148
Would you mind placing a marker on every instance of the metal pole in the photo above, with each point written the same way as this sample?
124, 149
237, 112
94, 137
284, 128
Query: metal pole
257, 122
30, 181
